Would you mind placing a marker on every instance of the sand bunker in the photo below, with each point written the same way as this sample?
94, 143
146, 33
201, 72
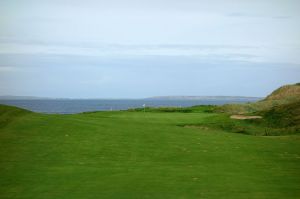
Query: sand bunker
245, 117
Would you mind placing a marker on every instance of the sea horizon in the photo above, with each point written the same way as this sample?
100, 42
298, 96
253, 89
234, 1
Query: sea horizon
72, 106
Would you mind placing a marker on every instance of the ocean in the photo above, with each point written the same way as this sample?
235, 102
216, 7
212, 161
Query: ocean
69, 106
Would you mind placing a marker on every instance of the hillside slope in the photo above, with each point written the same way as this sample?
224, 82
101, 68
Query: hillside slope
283, 95
287, 92
280, 113
10, 113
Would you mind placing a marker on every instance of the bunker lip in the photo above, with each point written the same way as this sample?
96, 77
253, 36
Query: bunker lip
245, 117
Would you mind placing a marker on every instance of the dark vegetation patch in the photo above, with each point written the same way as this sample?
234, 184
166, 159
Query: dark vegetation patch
192, 109
283, 116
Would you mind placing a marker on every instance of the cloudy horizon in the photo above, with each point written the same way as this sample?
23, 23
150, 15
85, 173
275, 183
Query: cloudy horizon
136, 49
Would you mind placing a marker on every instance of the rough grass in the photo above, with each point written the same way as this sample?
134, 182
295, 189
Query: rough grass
141, 155
284, 116
279, 120
257, 127
284, 95
287, 92
252, 107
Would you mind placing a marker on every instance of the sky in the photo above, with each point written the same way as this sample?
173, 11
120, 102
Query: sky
140, 48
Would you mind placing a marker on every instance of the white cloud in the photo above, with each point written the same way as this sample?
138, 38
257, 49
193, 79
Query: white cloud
279, 54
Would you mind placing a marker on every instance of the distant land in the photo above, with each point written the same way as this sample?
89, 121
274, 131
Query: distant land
204, 98
12, 97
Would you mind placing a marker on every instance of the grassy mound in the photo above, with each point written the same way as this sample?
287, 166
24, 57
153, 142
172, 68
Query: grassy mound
283, 95
287, 92
9, 113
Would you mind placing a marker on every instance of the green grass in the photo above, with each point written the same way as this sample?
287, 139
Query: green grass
192, 109
134, 154
8, 114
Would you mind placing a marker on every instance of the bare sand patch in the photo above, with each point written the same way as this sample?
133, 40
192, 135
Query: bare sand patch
245, 117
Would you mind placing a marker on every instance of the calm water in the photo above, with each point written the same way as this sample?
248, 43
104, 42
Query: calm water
77, 106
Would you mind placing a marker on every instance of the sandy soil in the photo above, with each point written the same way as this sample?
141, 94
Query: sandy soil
245, 117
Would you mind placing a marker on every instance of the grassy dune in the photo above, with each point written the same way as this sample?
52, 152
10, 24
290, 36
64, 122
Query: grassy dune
284, 95
132, 154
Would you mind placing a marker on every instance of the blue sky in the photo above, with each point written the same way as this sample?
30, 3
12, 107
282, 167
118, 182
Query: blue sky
135, 49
